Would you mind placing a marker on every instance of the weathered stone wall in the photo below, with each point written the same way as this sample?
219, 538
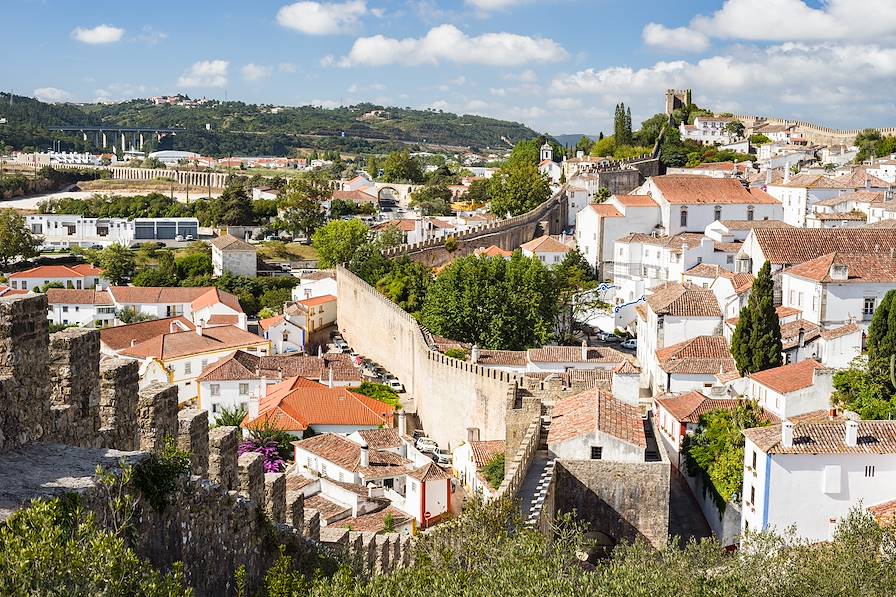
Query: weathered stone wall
450, 395
624, 500
60, 410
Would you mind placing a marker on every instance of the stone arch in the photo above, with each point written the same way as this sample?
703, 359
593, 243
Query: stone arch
388, 195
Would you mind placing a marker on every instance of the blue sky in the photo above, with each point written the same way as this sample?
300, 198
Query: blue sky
557, 65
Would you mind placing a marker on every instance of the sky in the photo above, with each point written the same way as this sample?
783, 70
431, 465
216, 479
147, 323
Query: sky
558, 66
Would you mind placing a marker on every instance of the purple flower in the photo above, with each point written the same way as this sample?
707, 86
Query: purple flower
272, 461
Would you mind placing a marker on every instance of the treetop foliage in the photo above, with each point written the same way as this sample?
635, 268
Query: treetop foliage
756, 342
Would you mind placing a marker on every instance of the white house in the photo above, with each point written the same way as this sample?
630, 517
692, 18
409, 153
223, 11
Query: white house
64, 231
235, 380
691, 203
673, 313
837, 288
285, 335
594, 425
884, 169
792, 390
81, 276
678, 415
468, 460
709, 130
315, 284
830, 465
85, 308
599, 226
267, 193
694, 364
546, 249
234, 256
198, 304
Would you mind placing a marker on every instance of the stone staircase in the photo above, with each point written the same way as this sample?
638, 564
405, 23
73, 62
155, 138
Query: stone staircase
534, 488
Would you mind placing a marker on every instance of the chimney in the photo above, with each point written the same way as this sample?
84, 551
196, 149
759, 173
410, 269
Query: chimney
584, 350
474, 354
787, 434
786, 172
801, 341
133, 342
768, 176
199, 328
173, 328
402, 423
330, 376
320, 351
852, 433
472, 434
253, 405
241, 321
365, 456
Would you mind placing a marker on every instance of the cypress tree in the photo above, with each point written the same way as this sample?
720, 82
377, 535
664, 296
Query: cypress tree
618, 123
628, 126
882, 331
756, 343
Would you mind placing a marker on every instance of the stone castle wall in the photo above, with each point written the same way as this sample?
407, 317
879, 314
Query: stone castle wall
63, 412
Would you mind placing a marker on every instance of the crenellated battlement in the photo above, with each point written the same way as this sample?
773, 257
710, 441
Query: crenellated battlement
65, 408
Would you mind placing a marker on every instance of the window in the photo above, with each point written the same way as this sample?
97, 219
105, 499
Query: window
244, 389
750, 212
868, 308
412, 486
683, 214
752, 495
65, 308
869, 471
717, 213
729, 259
188, 368
244, 406
597, 452
204, 363
214, 407
215, 389
753, 466
323, 468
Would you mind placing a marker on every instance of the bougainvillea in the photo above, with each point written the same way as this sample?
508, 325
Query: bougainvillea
272, 461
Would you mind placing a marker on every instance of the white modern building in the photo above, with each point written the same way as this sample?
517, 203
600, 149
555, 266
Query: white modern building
81, 276
599, 226
709, 130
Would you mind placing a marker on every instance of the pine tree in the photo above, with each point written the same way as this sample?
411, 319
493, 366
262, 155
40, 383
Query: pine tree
756, 343
628, 126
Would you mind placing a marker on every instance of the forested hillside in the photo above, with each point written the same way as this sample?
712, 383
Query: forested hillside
248, 129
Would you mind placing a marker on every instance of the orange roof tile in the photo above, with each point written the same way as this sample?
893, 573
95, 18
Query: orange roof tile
346, 454
860, 267
318, 300
702, 190
81, 270
684, 300
172, 345
788, 378
594, 410
605, 211
228, 242
69, 296
703, 355
635, 200
790, 246
297, 407
545, 244
483, 451
123, 336
688, 408
816, 436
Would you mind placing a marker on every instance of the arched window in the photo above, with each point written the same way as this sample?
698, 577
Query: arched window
684, 216
750, 212
718, 213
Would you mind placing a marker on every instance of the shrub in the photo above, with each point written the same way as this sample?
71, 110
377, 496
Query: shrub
457, 353
493, 471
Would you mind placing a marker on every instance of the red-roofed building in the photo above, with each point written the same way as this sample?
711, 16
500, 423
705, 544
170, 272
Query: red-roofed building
78, 277
198, 304
678, 415
599, 226
470, 458
793, 390
546, 249
593, 425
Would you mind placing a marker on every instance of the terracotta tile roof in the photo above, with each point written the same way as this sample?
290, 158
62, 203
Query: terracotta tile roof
810, 181
198, 297
858, 178
741, 282
848, 216
751, 224
429, 472
843, 330
702, 190
705, 270
703, 355
298, 482
295, 407
871, 197
573, 354
594, 410
605, 211
641, 310
512, 358
221, 319
723, 166
782, 312
732, 247
242, 365
790, 333
69, 296
688, 408
635, 200
318, 300
674, 244
328, 508
7, 291
684, 300
120, 337
270, 322
374, 522
827, 437
492, 251
884, 513
545, 244
353, 196
582, 378
483, 451
228, 242
346, 454
788, 378
172, 345
861, 267
381, 439
82, 270
798, 245
321, 274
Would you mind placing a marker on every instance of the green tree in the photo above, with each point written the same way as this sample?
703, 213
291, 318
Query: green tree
16, 240
337, 241
882, 330
603, 193
275, 298
525, 153
493, 471
518, 188
401, 167
380, 392
194, 265
759, 139
164, 274
432, 200
735, 128
118, 263
604, 147
493, 302
756, 343
477, 192
406, 285
584, 145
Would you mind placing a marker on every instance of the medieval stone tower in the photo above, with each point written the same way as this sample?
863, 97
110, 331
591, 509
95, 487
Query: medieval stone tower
677, 98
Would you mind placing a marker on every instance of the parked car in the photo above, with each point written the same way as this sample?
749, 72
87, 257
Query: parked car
631, 344
395, 385
417, 434
340, 343
426, 445
179, 238
440, 456
608, 337
189, 237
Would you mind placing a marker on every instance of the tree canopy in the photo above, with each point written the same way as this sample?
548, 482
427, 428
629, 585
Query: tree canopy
337, 241
516, 188
16, 240
401, 167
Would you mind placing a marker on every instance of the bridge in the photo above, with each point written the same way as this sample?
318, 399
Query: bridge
137, 135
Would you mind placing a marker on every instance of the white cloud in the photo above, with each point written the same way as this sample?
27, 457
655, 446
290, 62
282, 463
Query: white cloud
51, 94
254, 72
122, 91
680, 38
205, 73
564, 103
287, 67
101, 34
490, 5
447, 43
320, 18
150, 36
